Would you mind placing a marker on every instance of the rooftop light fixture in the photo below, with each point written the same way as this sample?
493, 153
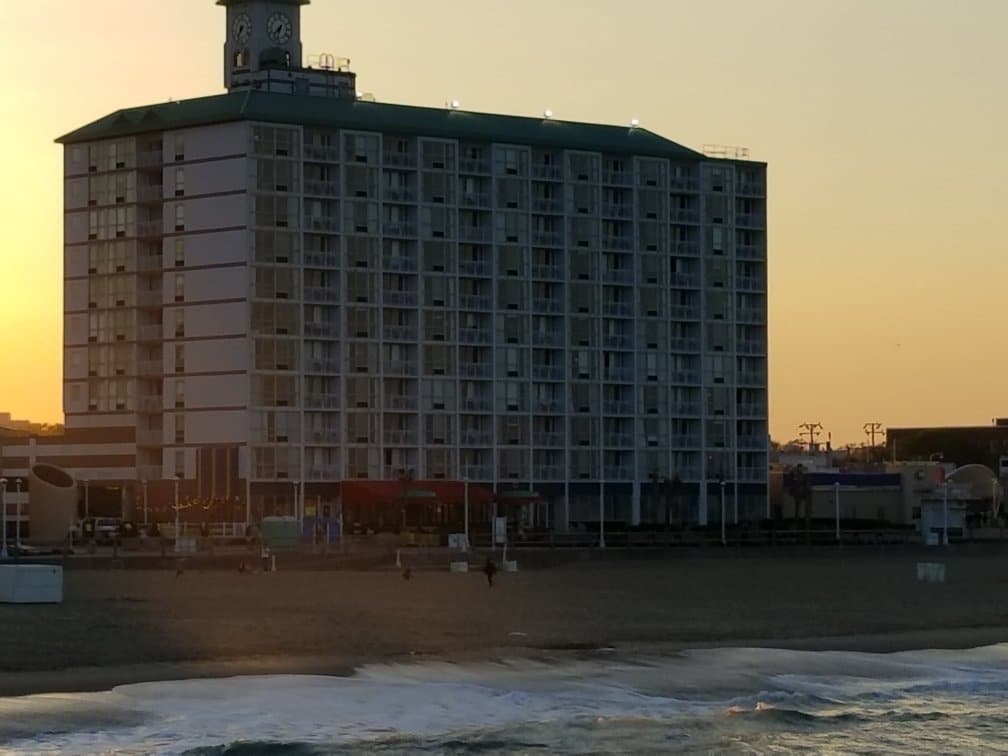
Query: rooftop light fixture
548, 114
635, 123
455, 104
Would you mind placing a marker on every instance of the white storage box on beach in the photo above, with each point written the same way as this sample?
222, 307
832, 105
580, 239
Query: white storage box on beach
31, 584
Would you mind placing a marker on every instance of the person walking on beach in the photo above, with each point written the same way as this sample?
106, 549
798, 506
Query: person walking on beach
490, 569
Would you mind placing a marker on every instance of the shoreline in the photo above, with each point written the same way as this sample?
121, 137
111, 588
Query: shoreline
15, 684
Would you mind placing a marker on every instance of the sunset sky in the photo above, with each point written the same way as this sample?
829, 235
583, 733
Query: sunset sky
884, 123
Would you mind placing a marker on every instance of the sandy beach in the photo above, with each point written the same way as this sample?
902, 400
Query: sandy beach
120, 626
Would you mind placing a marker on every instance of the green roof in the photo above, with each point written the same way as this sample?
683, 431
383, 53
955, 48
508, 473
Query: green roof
339, 113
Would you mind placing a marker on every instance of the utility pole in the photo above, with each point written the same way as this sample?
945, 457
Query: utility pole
812, 430
871, 430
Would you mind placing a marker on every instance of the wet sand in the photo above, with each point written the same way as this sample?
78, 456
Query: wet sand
120, 626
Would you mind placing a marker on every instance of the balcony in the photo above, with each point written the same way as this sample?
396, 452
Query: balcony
474, 199
547, 238
148, 333
617, 178
400, 264
547, 472
475, 302
751, 378
150, 195
548, 272
476, 438
617, 341
548, 373
475, 405
475, 233
618, 375
149, 229
321, 153
550, 305
151, 404
617, 309
475, 336
475, 268
477, 166
475, 370
547, 172
399, 367
399, 437
321, 188
684, 312
323, 472
687, 216
752, 475
752, 347
322, 224
617, 407
322, 366
547, 206
618, 275
684, 281
401, 403
750, 220
400, 194
548, 405
620, 472
322, 330
396, 298
399, 228
755, 410
554, 338
399, 159
684, 184
321, 294
750, 283
322, 401
751, 188
753, 315
476, 472
618, 440
616, 210
552, 439
150, 436
685, 248
750, 252
754, 443
684, 377
321, 260
612, 241
684, 409
689, 346
150, 368
684, 441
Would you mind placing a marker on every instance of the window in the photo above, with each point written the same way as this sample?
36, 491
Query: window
717, 244
180, 217
179, 253
179, 323
179, 394
179, 358
179, 429
179, 287
180, 462
180, 182
179, 147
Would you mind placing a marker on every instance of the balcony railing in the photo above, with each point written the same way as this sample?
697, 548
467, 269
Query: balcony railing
150, 368
399, 367
475, 405
622, 472
684, 281
150, 436
150, 333
618, 375
680, 215
617, 341
322, 330
549, 272
322, 153
468, 165
547, 172
476, 370
548, 372
399, 437
400, 264
547, 238
750, 315
399, 159
750, 252
475, 268
152, 404
401, 403
475, 336
684, 184
400, 194
322, 401
751, 378
618, 275
321, 188
684, 345
684, 312
399, 298
547, 206
617, 407
686, 248
617, 309
550, 305
321, 259
751, 347
684, 409
548, 472
684, 441
618, 440
611, 241
684, 377
751, 409
554, 338
477, 472
321, 294
474, 199
752, 474
324, 472
616, 210
617, 178
149, 228
475, 233
751, 188
476, 438
475, 302
399, 333
398, 228
322, 366
547, 438
322, 223
750, 220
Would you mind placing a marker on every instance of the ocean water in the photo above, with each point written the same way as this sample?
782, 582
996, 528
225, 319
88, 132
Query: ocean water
705, 701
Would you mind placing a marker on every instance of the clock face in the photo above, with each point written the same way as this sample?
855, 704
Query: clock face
279, 28
242, 28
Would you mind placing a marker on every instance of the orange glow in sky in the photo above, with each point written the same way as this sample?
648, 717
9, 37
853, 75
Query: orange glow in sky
883, 124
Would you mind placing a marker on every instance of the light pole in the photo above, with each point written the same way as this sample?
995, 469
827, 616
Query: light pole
724, 539
465, 483
3, 518
17, 522
177, 479
836, 500
945, 539
144, 484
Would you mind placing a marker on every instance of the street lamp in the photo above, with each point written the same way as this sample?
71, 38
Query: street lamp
724, 539
177, 479
465, 483
3, 518
17, 522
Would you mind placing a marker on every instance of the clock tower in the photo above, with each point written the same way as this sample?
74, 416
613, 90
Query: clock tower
262, 51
